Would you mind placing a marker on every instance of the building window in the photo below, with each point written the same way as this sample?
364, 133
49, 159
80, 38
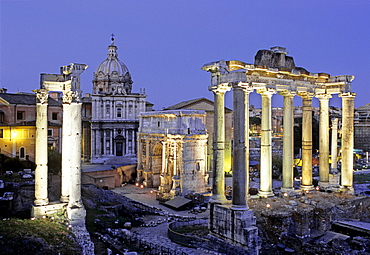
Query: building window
22, 152
1, 133
50, 132
119, 113
54, 116
20, 115
2, 116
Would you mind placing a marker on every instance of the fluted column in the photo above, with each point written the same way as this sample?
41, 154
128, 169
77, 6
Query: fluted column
266, 150
241, 146
306, 141
288, 142
218, 191
73, 107
66, 150
41, 157
324, 139
347, 139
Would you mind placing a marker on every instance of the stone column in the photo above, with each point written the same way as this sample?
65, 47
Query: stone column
347, 140
241, 147
324, 140
306, 141
218, 189
66, 151
288, 142
73, 152
334, 145
164, 175
41, 157
266, 151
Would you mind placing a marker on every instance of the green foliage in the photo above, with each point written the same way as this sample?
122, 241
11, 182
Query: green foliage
254, 121
39, 236
54, 161
13, 164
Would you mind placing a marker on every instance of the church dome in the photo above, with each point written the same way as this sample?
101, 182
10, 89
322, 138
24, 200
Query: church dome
112, 63
112, 75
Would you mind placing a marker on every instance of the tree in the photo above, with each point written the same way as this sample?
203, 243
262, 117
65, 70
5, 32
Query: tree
13, 164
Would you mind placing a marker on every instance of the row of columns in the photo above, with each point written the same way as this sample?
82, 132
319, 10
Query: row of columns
241, 93
71, 150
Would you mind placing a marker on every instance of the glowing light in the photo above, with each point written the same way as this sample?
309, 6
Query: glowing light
44, 217
285, 194
307, 191
33, 218
141, 186
268, 205
152, 191
137, 184
317, 188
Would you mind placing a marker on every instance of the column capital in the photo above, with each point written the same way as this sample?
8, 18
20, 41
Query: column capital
70, 96
287, 93
220, 88
306, 94
246, 87
41, 96
266, 91
348, 94
323, 96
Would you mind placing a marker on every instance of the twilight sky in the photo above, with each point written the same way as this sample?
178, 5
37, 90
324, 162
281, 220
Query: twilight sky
164, 43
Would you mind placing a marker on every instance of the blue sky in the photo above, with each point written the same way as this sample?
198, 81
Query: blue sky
164, 43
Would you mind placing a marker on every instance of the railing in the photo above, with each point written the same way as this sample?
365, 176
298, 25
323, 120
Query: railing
186, 240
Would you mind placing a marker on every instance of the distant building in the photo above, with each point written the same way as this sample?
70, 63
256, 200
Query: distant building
172, 151
208, 106
362, 127
115, 111
18, 124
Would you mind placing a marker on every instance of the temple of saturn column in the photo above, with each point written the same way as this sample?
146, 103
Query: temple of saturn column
68, 83
273, 72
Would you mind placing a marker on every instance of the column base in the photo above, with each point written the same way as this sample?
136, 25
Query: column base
41, 202
347, 190
307, 187
265, 194
324, 185
64, 199
76, 213
218, 199
289, 191
239, 207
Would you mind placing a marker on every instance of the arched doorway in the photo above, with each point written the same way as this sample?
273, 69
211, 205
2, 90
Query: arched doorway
120, 142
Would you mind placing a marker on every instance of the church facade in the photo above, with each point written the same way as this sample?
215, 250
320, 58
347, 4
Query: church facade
115, 110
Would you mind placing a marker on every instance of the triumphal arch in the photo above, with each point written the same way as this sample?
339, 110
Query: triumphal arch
273, 72
67, 83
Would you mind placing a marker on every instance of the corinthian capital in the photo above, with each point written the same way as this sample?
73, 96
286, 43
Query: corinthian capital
70, 96
41, 96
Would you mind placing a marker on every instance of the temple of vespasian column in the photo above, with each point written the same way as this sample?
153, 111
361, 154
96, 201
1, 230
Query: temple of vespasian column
273, 72
68, 83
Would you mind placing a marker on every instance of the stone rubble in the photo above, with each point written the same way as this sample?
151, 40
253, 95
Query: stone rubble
82, 237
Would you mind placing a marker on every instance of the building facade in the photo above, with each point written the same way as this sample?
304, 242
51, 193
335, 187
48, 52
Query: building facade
18, 124
115, 110
172, 151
